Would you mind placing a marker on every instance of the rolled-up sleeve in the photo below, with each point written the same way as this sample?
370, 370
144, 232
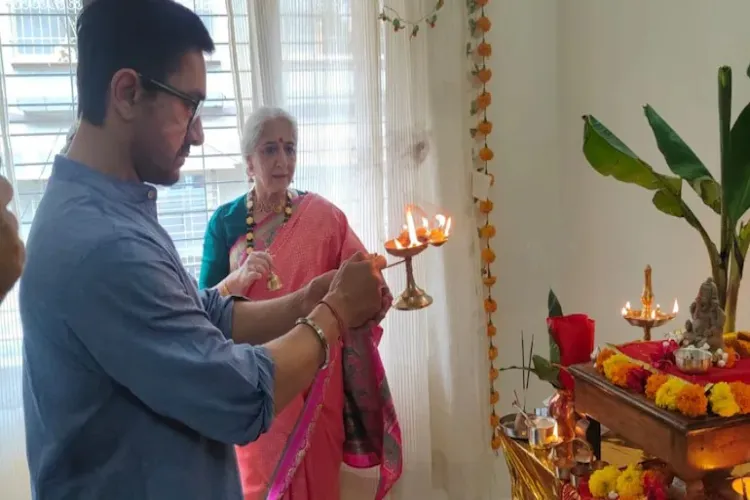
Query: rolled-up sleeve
142, 324
219, 310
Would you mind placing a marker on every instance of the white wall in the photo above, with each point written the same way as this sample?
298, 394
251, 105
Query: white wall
559, 222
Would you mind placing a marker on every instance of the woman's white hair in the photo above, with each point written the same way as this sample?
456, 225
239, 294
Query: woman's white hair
253, 128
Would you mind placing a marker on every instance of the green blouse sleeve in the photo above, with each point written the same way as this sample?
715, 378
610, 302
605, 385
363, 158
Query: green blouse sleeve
215, 260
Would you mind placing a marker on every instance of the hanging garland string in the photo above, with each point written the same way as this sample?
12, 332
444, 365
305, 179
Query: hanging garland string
390, 16
479, 50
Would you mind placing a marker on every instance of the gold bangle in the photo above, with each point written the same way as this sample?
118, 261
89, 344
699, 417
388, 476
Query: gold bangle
321, 337
223, 290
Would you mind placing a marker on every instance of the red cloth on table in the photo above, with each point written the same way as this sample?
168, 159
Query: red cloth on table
644, 351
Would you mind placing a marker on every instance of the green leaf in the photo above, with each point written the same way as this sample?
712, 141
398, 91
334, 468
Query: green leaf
737, 181
554, 309
609, 156
743, 239
682, 161
545, 371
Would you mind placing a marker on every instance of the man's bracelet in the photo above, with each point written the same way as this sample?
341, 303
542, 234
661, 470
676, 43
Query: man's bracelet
321, 337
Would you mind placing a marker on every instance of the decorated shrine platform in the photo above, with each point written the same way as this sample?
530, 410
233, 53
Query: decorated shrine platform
695, 448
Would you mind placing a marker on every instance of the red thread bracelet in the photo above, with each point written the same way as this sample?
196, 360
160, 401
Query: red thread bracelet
342, 326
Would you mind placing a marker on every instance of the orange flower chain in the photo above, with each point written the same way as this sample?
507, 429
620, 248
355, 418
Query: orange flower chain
479, 52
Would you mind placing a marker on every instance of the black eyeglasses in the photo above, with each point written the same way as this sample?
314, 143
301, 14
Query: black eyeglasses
195, 105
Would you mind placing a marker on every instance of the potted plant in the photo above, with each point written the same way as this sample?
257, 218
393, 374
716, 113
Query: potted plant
728, 197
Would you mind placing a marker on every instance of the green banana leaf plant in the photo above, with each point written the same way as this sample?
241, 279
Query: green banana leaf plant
728, 197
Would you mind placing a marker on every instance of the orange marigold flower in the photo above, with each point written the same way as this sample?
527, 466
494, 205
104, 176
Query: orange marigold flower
497, 443
492, 353
486, 154
620, 374
484, 49
494, 373
494, 397
481, 3
487, 231
489, 280
484, 75
490, 305
486, 206
484, 100
488, 255
732, 357
484, 127
494, 420
691, 401
603, 356
484, 24
653, 383
491, 330
741, 393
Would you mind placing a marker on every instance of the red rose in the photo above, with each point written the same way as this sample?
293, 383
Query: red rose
574, 335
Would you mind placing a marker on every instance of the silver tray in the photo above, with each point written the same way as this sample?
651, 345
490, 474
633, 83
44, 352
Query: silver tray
506, 424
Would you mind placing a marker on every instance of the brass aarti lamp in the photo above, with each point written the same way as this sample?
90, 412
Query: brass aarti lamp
649, 316
411, 242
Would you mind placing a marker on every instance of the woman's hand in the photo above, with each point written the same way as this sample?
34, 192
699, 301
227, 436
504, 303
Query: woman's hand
256, 266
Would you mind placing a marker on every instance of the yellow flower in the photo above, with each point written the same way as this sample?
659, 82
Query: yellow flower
666, 396
603, 481
612, 362
630, 482
722, 401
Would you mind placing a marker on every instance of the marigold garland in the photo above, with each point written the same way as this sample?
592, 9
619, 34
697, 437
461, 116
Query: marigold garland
673, 393
480, 51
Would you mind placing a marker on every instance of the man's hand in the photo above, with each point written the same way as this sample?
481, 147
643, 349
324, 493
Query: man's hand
12, 253
315, 290
356, 291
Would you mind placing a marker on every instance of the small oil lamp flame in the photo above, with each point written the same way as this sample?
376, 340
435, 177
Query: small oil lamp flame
676, 307
626, 310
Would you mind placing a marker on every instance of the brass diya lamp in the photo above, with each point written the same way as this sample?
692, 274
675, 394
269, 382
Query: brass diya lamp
412, 241
650, 315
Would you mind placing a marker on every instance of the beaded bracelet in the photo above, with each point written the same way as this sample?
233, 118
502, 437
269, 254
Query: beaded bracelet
342, 326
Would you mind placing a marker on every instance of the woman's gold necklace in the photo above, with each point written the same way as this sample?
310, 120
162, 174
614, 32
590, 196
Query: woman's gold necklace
273, 283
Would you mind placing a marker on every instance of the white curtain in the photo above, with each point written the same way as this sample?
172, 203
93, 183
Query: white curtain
391, 129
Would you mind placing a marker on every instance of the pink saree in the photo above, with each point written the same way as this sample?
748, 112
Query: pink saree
347, 415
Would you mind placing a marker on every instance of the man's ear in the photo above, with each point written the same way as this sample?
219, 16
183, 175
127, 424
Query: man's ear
125, 92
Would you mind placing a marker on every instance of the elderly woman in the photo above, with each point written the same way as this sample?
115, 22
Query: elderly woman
347, 415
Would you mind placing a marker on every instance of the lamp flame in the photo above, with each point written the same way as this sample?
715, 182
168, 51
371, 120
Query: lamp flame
411, 229
676, 307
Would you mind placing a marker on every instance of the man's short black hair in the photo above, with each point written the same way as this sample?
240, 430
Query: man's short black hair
149, 36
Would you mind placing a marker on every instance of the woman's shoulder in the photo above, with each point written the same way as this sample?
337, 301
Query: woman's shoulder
229, 215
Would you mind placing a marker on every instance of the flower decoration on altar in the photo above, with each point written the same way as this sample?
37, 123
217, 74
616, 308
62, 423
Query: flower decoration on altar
724, 399
632, 483
571, 341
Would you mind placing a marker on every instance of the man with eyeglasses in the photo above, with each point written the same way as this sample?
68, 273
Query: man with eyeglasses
137, 385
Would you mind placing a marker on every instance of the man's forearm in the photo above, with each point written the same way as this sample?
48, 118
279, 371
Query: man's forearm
258, 322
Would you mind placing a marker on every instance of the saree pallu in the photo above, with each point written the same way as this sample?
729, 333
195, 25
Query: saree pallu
347, 414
